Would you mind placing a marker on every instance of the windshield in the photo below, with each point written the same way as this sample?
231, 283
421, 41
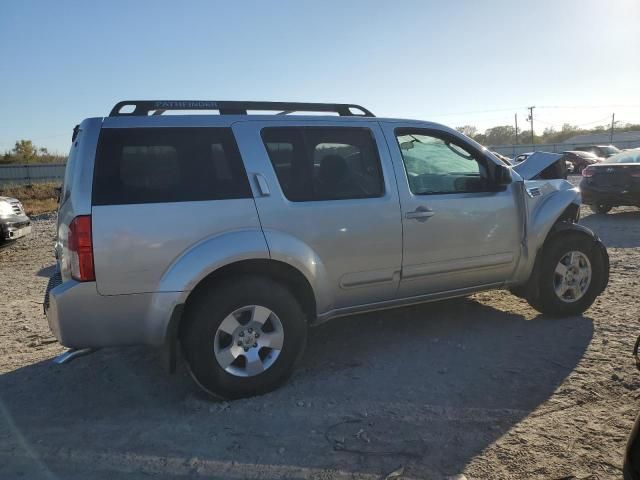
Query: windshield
610, 149
631, 156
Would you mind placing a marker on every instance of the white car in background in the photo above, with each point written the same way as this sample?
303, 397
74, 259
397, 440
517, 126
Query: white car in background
14, 222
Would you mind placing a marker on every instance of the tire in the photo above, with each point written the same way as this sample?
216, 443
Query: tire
234, 306
557, 250
600, 208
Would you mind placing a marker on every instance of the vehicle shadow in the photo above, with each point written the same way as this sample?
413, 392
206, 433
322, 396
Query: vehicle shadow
617, 229
46, 272
427, 387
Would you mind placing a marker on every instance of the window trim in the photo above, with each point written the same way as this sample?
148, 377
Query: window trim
478, 155
303, 129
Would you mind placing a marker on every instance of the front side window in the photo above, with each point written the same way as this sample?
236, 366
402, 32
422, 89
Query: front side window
324, 163
437, 165
154, 165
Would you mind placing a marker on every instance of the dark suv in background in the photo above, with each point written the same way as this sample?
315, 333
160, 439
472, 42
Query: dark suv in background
604, 151
612, 183
578, 160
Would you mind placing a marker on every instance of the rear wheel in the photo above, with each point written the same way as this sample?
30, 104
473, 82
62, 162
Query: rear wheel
571, 276
600, 208
243, 337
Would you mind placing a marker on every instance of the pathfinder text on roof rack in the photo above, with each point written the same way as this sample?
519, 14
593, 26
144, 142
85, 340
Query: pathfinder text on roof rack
145, 107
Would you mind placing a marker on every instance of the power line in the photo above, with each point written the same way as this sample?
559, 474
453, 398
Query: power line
589, 106
477, 111
573, 125
522, 107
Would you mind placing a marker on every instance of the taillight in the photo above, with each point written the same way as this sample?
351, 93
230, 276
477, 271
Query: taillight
587, 172
81, 249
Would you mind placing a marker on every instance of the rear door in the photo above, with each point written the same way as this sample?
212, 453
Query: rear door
328, 189
159, 190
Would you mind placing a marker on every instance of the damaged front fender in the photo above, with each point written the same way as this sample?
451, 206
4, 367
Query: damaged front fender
545, 203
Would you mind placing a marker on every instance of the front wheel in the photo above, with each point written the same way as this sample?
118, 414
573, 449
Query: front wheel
243, 337
572, 274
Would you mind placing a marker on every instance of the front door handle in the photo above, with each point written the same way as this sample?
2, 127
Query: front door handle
420, 213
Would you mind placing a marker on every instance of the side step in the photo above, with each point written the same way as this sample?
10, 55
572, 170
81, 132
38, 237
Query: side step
72, 354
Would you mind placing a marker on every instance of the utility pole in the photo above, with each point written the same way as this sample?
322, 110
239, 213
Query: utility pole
531, 120
613, 122
516, 128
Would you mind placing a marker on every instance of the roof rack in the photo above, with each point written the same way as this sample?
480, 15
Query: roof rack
158, 107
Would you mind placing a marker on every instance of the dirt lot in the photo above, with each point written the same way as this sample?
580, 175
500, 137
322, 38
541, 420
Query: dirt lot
483, 387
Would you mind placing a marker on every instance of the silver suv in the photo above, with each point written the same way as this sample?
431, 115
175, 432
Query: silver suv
230, 234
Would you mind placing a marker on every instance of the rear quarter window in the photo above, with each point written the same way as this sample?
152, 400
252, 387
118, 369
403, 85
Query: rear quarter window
156, 165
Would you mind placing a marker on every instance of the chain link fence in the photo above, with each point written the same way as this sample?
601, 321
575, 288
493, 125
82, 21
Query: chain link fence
30, 173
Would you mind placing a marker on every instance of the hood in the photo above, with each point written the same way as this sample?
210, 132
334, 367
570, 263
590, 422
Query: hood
536, 163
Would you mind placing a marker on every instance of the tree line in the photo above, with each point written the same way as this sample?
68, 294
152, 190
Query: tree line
25, 151
506, 134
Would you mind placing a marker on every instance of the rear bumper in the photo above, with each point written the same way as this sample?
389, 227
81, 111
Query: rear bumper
15, 227
591, 196
80, 317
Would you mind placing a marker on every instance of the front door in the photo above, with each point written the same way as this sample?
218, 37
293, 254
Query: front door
460, 231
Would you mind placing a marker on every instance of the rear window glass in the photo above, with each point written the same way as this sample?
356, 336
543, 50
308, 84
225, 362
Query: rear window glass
323, 163
585, 154
154, 165
632, 156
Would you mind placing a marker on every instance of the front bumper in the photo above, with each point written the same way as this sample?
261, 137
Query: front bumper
80, 317
14, 227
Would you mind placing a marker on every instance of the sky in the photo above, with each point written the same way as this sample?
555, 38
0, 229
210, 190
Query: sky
454, 62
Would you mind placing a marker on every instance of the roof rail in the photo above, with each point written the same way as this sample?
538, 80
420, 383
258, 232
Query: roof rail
158, 107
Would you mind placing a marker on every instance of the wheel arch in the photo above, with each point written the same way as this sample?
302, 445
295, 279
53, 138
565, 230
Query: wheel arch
562, 226
276, 270
279, 271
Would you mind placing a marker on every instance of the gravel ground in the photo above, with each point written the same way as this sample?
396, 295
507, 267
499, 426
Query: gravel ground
483, 387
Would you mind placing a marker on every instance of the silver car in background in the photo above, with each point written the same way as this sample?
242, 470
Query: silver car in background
230, 234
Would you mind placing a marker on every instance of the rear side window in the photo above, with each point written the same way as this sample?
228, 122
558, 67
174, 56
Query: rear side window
323, 163
154, 165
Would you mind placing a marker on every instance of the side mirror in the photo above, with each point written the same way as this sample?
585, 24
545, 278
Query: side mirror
502, 176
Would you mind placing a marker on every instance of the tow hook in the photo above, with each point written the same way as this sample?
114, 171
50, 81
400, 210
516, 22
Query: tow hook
72, 354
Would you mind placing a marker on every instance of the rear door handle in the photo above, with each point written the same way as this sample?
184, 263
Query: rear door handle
263, 186
420, 213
